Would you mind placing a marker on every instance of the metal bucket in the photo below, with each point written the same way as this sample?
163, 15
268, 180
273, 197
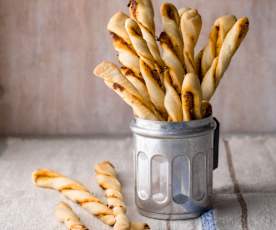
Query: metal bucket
174, 165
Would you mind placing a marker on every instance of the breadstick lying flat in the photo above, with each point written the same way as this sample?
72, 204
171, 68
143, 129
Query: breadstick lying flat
190, 27
142, 12
171, 60
171, 23
121, 42
117, 82
66, 215
74, 191
191, 97
218, 32
172, 100
106, 177
230, 45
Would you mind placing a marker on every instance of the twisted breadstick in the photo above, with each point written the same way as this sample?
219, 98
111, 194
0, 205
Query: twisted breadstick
137, 82
190, 27
209, 82
142, 12
171, 23
172, 100
191, 97
139, 43
106, 177
206, 109
218, 32
74, 191
171, 60
121, 42
154, 87
230, 45
66, 215
115, 80
198, 59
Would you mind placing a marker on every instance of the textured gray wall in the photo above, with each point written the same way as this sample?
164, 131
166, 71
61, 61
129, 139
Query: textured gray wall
48, 49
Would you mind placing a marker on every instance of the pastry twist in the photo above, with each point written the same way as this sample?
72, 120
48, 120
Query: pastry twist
137, 82
172, 61
121, 42
171, 23
191, 97
138, 42
114, 79
230, 45
106, 177
190, 27
66, 215
154, 87
172, 100
218, 32
74, 191
142, 12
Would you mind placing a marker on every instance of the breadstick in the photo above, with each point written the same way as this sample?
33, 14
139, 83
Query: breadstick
171, 23
121, 42
116, 25
115, 80
218, 32
107, 178
181, 11
172, 100
209, 82
138, 42
230, 45
190, 27
171, 60
137, 82
66, 215
191, 97
74, 191
198, 59
142, 12
154, 87
206, 109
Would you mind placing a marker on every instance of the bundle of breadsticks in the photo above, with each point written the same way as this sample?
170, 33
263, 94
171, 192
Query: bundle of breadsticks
173, 84
113, 213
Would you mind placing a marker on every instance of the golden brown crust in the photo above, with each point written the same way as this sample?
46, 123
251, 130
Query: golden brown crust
46, 178
66, 215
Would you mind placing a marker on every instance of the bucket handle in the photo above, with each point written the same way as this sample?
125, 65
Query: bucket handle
216, 144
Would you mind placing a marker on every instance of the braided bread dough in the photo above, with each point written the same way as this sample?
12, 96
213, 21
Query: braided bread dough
172, 100
191, 97
115, 80
74, 191
190, 27
66, 215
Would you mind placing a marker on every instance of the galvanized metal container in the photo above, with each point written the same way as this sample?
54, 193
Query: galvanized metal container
174, 165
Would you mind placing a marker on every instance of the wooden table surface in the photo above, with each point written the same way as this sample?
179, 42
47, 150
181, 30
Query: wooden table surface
25, 207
